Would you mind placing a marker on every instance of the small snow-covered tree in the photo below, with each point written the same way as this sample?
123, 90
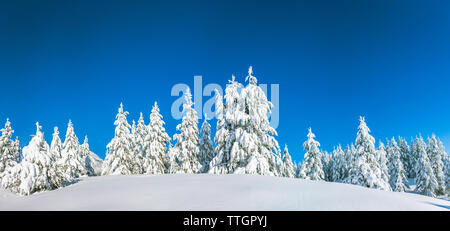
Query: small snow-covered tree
85, 153
405, 155
245, 140
121, 158
155, 144
365, 170
72, 161
326, 163
413, 159
35, 172
172, 166
206, 153
9, 149
382, 161
397, 174
140, 133
187, 139
289, 168
436, 152
426, 182
312, 168
447, 173
338, 166
56, 146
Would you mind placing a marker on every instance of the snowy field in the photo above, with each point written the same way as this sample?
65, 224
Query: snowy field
215, 192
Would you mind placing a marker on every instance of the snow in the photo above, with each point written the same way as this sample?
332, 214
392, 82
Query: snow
215, 192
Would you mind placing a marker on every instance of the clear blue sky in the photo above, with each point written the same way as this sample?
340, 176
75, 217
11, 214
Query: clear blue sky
334, 60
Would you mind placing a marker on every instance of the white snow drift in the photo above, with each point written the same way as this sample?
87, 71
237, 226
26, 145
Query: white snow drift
215, 192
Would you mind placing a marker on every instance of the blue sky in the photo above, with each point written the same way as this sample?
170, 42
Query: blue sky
333, 60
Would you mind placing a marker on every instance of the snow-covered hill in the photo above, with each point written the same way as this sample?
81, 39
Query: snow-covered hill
215, 192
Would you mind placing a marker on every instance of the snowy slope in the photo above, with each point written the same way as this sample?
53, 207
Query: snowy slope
215, 192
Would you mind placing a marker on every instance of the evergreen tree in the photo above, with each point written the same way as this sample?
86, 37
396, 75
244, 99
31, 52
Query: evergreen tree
72, 162
405, 155
365, 170
206, 146
9, 149
447, 173
382, 161
413, 160
338, 166
312, 168
289, 168
121, 158
140, 134
155, 144
85, 153
35, 172
436, 152
187, 139
426, 182
326, 163
397, 174
245, 140
56, 146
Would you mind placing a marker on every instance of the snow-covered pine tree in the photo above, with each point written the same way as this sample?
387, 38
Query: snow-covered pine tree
245, 140
326, 163
397, 175
312, 168
436, 152
72, 162
121, 158
365, 170
447, 174
338, 165
85, 152
140, 133
289, 168
155, 144
206, 153
405, 155
35, 172
172, 166
413, 159
9, 149
187, 139
382, 161
426, 182
56, 146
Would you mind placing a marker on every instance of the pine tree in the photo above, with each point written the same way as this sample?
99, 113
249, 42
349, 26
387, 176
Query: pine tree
405, 155
397, 174
56, 146
447, 174
155, 144
413, 160
365, 170
72, 162
140, 134
435, 152
9, 149
312, 168
85, 153
121, 158
326, 163
35, 172
206, 153
426, 182
289, 168
187, 140
245, 140
382, 161
338, 166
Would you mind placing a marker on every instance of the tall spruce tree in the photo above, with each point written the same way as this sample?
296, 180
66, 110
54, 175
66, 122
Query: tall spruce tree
365, 170
397, 173
312, 168
245, 140
121, 158
405, 155
9, 149
187, 140
436, 152
206, 153
155, 144
382, 161
72, 162
426, 182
